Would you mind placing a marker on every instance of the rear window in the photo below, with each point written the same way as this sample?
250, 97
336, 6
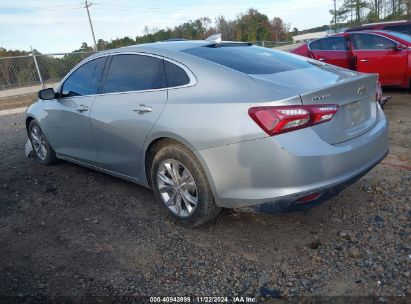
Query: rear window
250, 59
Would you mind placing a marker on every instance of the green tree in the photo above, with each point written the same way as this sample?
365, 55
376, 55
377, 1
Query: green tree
253, 26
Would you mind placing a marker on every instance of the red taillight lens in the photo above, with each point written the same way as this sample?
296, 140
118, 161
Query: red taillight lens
276, 120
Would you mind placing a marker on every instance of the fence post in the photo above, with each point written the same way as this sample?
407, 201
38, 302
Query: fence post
37, 67
263, 44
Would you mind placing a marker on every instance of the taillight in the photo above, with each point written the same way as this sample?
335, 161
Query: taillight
275, 120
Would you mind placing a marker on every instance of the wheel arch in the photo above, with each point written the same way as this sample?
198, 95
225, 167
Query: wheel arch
153, 145
29, 119
156, 143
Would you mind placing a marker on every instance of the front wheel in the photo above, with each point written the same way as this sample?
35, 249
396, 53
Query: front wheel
181, 186
42, 149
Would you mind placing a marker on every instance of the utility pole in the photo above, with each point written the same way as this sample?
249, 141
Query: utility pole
335, 15
87, 5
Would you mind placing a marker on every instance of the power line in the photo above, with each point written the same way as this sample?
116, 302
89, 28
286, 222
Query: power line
87, 5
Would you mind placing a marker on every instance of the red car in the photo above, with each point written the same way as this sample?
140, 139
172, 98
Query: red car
384, 52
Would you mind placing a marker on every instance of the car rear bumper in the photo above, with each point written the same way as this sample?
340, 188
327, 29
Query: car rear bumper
285, 168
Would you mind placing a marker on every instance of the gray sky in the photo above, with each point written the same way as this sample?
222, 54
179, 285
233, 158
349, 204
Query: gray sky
62, 25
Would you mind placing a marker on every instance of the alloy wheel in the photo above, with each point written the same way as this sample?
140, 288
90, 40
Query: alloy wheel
177, 188
39, 142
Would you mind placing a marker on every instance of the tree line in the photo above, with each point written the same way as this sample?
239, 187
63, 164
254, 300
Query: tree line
354, 12
249, 26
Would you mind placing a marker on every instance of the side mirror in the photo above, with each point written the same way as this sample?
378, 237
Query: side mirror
47, 94
400, 46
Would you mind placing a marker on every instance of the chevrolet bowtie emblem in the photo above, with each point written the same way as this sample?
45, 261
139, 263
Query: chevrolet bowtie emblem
362, 90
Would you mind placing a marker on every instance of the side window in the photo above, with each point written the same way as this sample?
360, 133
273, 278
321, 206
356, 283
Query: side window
175, 75
85, 80
329, 44
134, 73
371, 42
404, 28
333, 44
315, 45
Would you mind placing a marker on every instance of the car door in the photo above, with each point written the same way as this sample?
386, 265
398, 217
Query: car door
332, 50
68, 122
132, 98
378, 54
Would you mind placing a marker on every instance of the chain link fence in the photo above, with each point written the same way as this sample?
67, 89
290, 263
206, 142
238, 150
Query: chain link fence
27, 74
270, 44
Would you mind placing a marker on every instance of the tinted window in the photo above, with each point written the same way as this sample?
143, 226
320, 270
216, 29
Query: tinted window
405, 28
329, 44
334, 44
315, 45
175, 75
134, 73
85, 80
371, 42
250, 59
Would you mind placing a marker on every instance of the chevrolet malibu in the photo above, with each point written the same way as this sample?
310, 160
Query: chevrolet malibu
210, 125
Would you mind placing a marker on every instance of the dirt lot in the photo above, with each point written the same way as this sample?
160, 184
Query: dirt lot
66, 231
19, 101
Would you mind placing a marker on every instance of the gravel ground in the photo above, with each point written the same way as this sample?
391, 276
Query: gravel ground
19, 101
66, 231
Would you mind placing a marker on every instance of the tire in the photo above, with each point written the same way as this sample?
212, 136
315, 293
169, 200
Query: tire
177, 195
42, 150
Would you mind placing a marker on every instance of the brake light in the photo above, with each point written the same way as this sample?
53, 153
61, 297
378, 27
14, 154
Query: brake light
275, 120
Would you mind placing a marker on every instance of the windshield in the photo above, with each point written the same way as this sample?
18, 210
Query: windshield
402, 36
250, 59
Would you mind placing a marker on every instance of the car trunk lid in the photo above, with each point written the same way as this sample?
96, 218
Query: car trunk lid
354, 93
357, 111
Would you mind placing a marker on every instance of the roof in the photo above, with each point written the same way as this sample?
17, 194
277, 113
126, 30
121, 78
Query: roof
378, 25
386, 22
169, 45
164, 48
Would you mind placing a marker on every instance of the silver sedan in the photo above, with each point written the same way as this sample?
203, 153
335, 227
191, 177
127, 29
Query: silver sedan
210, 125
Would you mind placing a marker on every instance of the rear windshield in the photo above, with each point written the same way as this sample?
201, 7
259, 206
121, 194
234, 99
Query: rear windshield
250, 59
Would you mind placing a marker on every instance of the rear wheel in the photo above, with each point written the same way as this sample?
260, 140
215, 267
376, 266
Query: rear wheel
42, 149
181, 186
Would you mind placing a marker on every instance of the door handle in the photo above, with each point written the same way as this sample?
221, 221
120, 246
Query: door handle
321, 59
81, 108
363, 60
143, 109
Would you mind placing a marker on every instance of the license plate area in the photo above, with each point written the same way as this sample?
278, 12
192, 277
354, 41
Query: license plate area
354, 114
